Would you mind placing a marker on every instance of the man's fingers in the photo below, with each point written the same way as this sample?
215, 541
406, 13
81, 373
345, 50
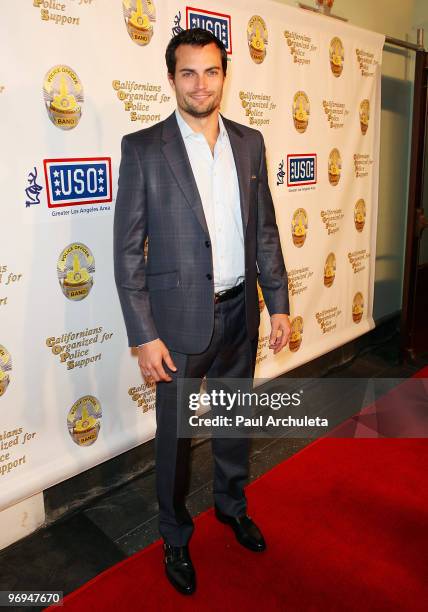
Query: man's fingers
155, 373
159, 373
282, 341
287, 336
275, 339
146, 374
279, 336
169, 362
274, 334
150, 360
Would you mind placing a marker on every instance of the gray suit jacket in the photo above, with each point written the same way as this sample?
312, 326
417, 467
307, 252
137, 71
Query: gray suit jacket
171, 295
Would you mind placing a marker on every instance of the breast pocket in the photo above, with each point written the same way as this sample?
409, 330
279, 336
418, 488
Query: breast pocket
162, 281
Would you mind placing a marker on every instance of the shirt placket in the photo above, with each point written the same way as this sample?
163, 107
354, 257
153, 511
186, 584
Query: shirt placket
219, 212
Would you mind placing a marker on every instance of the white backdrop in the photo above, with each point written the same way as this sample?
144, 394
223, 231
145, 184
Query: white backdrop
78, 74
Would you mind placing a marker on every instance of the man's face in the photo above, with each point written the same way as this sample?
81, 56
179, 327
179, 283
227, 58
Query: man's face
198, 80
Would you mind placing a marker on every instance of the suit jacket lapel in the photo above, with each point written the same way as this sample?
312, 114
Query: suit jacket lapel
243, 167
175, 154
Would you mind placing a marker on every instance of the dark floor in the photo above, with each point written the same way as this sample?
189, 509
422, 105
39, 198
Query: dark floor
74, 549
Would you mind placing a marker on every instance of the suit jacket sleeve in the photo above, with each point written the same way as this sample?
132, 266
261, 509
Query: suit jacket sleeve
273, 277
129, 234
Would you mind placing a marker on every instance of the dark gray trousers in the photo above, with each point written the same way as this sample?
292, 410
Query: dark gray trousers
230, 354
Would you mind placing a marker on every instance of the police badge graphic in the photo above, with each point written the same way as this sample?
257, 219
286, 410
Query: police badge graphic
357, 307
337, 55
5, 368
257, 38
63, 95
359, 215
329, 269
296, 334
299, 227
84, 420
364, 116
300, 110
75, 268
139, 17
334, 167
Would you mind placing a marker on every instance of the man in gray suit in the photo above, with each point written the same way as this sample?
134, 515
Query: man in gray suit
196, 186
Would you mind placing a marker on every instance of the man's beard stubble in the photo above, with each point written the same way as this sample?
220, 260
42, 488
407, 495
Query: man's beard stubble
200, 114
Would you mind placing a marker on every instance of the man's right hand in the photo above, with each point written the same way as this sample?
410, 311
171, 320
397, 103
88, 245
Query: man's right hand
150, 359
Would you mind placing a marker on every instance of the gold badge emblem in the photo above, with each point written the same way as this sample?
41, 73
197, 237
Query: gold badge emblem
337, 56
261, 298
257, 37
296, 334
75, 267
334, 167
357, 307
5, 368
301, 111
139, 18
364, 115
63, 94
360, 215
84, 420
329, 269
299, 227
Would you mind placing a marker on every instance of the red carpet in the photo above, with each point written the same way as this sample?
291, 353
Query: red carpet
422, 373
401, 412
346, 523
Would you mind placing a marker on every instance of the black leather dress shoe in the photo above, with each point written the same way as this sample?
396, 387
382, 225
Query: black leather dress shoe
179, 569
246, 531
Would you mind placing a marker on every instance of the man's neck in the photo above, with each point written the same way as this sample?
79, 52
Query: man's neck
208, 126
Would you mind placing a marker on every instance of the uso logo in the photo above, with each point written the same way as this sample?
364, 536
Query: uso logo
70, 182
216, 23
301, 169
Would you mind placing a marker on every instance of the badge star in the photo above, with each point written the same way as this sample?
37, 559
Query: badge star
100, 188
58, 192
194, 20
56, 174
57, 183
100, 171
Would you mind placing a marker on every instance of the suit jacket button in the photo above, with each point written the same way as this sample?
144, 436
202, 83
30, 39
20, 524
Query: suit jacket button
207, 244
209, 276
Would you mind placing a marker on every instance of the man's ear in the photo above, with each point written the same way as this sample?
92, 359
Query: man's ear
171, 79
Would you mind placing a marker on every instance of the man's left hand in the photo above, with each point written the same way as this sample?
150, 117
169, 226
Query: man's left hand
280, 332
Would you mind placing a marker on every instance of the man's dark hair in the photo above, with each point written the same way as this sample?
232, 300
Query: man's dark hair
196, 37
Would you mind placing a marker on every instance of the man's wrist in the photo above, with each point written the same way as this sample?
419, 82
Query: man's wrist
144, 343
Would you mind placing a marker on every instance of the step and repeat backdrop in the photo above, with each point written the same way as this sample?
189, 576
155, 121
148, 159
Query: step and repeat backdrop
75, 76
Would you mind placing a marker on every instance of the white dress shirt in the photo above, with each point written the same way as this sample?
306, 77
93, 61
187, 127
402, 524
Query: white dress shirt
217, 182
